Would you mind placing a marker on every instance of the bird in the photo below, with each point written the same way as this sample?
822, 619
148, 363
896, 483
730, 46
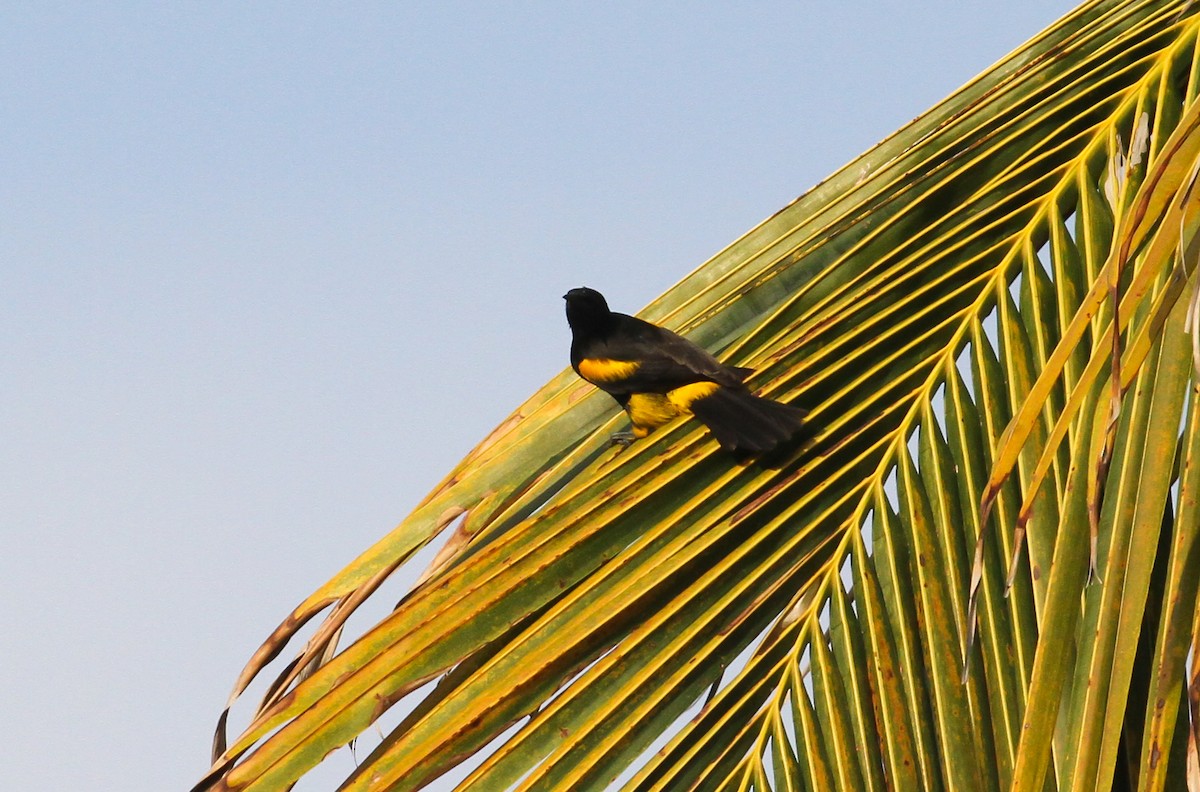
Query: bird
656, 375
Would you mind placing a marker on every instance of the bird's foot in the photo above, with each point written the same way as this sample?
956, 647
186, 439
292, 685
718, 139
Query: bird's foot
623, 439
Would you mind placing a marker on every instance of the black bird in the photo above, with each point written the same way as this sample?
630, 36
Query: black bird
656, 375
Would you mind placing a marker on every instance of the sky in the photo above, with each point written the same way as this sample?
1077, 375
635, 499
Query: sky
269, 270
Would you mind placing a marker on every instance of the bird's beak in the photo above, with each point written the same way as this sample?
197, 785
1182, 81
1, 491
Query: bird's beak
564, 296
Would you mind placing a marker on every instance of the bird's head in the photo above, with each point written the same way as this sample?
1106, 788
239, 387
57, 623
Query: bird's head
586, 309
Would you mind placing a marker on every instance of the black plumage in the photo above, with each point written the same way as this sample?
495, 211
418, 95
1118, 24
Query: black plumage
655, 375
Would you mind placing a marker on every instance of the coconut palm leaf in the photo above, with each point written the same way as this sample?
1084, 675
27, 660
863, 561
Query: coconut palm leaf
665, 617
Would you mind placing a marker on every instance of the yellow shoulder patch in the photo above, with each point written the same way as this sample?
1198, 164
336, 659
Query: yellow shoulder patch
606, 370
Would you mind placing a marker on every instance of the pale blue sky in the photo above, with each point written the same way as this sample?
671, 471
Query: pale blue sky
268, 270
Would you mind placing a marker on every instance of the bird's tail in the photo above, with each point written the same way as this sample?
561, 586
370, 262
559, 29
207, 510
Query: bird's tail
745, 423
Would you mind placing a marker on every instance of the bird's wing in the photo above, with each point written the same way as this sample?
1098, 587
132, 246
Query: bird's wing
665, 359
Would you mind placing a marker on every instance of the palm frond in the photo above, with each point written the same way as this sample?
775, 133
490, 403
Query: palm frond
588, 598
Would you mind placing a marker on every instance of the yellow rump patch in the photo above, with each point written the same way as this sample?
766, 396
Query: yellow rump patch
648, 411
682, 398
606, 370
